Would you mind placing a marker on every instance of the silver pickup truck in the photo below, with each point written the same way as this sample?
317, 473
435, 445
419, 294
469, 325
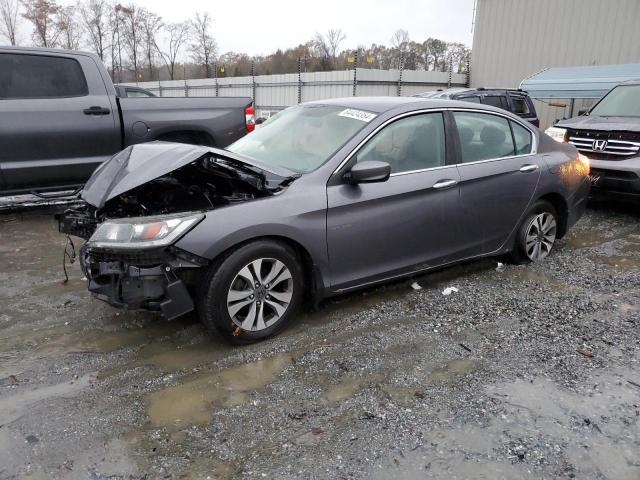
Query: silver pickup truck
60, 118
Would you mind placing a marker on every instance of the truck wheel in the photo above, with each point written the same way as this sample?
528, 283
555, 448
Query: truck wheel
253, 293
537, 234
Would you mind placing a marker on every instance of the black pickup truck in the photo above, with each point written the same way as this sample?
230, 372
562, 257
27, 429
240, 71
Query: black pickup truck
60, 117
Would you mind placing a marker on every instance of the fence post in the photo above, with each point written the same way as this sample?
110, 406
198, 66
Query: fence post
400, 76
159, 86
253, 82
450, 71
215, 76
355, 73
186, 87
468, 73
299, 80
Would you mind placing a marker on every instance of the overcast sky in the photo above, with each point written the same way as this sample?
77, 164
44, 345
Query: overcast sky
261, 27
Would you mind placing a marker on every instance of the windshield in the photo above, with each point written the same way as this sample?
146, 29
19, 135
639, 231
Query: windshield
622, 101
302, 138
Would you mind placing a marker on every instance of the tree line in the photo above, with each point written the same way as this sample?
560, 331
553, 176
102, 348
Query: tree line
137, 44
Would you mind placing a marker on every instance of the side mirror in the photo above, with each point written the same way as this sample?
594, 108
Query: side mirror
583, 111
369, 171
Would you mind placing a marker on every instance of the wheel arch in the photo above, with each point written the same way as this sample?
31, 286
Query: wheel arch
313, 277
562, 209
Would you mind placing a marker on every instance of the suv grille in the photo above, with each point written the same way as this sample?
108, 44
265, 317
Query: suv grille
605, 145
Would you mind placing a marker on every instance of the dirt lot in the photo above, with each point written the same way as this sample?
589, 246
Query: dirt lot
529, 372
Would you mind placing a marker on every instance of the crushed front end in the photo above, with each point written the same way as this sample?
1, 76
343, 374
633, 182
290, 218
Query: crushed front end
148, 279
140, 203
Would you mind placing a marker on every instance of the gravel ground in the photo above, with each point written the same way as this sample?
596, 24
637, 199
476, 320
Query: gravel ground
527, 372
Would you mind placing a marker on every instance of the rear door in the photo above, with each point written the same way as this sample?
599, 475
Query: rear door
409, 222
499, 173
58, 122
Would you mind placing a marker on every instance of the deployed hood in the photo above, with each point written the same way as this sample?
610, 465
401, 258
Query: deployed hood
142, 163
587, 122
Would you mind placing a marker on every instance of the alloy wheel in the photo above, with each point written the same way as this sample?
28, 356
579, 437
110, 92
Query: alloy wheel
540, 236
260, 294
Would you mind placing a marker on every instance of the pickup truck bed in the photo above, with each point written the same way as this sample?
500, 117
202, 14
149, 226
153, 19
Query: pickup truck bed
61, 118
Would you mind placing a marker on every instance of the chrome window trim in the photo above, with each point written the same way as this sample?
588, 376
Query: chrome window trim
534, 139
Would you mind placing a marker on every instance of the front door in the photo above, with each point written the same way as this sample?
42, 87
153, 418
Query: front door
408, 223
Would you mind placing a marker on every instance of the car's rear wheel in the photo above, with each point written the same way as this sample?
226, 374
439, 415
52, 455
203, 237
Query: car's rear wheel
253, 293
537, 233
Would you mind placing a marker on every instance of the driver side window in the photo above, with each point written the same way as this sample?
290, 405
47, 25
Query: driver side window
411, 143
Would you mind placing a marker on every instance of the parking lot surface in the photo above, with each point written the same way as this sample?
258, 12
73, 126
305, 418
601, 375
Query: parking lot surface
526, 372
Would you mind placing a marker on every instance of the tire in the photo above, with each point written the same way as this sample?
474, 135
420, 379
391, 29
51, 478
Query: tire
537, 234
231, 303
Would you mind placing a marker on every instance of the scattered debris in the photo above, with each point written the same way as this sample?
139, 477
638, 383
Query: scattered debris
635, 384
416, 286
465, 347
31, 439
584, 352
500, 267
449, 291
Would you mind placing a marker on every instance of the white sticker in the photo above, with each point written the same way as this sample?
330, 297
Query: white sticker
357, 115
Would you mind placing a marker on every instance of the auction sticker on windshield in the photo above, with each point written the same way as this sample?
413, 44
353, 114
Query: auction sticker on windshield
357, 115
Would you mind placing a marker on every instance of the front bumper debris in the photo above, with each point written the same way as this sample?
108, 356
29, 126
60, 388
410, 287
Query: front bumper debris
155, 280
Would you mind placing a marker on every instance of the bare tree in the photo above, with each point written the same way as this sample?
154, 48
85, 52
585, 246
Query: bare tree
334, 38
42, 14
9, 20
151, 24
132, 29
177, 35
115, 27
70, 31
400, 39
95, 21
204, 47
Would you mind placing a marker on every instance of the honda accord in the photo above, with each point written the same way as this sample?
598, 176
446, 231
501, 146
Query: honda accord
327, 197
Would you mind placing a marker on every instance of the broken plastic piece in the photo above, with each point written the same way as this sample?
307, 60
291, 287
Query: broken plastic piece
500, 267
449, 290
416, 286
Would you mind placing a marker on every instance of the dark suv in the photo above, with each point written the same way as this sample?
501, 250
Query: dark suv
515, 101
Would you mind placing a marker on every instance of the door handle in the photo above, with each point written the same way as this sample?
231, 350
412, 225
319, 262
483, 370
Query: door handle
445, 184
95, 110
528, 168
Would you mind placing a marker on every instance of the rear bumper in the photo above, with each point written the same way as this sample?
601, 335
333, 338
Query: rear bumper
616, 177
153, 280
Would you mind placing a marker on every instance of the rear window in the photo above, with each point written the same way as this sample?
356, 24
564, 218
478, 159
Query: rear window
39, 76
520, 106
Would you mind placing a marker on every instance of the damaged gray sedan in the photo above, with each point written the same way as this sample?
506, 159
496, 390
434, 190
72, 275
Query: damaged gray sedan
325, 198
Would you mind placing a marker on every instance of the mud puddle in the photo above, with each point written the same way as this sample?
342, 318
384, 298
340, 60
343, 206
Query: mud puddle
194, 401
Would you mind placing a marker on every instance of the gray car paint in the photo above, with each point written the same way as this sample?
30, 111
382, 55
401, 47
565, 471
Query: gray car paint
316, 216
50, 143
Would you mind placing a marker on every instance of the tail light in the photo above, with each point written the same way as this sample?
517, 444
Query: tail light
250, 118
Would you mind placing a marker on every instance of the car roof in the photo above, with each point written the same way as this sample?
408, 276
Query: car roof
635, 81
384, 104
444, 93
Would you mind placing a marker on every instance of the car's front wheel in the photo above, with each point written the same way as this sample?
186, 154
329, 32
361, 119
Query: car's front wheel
537, 233
253, 293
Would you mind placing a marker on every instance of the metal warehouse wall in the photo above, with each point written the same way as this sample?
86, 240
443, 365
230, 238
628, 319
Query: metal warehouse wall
516, 38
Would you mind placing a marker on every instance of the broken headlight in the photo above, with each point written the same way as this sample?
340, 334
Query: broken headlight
143, 232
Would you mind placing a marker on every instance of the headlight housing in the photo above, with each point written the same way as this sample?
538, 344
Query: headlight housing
143, 232
557, 133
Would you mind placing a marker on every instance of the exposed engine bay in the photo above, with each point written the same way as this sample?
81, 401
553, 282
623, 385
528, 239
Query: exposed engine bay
205, 184
170, 184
